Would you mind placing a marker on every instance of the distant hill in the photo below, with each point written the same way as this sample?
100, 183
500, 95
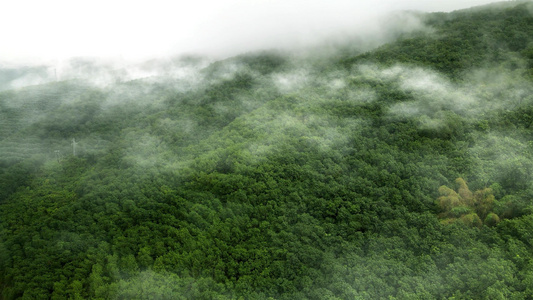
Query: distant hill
472, 38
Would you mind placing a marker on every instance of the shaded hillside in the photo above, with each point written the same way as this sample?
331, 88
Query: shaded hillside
500, 33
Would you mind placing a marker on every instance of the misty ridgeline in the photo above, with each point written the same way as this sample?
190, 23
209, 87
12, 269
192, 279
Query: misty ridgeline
398, 168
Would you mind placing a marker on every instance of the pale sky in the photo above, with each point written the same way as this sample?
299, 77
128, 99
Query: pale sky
51, 30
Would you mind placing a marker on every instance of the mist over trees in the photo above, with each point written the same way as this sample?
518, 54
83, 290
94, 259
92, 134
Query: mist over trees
400, 172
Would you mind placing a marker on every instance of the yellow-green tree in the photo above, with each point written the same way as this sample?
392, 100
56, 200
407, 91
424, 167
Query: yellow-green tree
473, 209
483, 202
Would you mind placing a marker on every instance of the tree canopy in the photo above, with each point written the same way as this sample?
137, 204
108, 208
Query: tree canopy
403, 172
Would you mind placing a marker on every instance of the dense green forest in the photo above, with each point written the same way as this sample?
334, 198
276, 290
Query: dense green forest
402, 172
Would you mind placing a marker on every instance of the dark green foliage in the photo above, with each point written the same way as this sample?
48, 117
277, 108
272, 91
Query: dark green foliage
263, 181
462, 40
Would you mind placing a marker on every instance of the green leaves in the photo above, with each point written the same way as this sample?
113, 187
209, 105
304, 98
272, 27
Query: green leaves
473, 209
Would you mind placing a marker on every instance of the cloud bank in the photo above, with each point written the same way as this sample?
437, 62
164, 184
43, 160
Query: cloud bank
58, 29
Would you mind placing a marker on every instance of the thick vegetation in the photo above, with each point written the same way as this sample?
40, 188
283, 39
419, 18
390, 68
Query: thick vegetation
401, 173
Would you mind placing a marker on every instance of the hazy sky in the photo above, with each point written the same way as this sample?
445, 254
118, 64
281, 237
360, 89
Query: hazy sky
57, 29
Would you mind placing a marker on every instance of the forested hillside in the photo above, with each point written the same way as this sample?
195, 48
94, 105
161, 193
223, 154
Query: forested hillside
404, 172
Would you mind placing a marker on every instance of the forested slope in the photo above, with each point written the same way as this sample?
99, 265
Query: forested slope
403, 172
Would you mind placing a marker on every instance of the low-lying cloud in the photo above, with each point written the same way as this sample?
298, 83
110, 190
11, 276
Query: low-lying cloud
57, 30
432, 96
